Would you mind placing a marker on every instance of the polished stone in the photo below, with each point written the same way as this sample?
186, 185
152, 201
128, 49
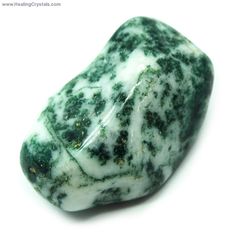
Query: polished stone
119, 129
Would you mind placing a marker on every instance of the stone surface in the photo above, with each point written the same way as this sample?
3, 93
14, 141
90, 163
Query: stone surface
119, 129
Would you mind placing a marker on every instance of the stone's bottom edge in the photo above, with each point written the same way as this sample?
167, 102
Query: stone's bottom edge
115, 204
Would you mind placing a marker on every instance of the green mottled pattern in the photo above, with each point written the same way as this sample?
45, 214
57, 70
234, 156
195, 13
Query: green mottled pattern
119, 129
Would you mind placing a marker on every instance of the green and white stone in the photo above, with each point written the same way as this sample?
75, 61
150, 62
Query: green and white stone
120, 129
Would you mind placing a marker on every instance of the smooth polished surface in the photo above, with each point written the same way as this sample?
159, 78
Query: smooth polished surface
120, 128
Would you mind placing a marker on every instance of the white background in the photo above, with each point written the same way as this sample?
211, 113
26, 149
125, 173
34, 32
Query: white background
43, 48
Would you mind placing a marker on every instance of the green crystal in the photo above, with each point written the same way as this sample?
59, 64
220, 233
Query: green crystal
119, 129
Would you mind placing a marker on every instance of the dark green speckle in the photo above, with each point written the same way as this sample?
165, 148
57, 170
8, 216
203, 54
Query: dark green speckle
120, 147
99, 103
36, 158
101, 153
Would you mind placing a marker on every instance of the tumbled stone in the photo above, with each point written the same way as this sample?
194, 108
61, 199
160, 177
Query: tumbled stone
120, 129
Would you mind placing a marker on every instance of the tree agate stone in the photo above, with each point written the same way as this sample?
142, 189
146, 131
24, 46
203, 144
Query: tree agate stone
119, 129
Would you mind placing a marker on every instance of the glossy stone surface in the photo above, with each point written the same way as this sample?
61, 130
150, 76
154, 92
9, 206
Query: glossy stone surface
119, 129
